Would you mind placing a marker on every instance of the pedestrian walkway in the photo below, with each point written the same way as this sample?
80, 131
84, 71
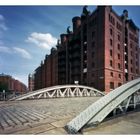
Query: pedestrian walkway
40, 116
49, 116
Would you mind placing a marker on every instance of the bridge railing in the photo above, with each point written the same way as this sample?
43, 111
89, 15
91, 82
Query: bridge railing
97, 112
61, 91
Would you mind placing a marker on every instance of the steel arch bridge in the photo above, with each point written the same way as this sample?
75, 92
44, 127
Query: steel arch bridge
61, 91
121, 99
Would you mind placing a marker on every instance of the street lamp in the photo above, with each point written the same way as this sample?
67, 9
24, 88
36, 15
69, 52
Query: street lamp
3, 94
76, 82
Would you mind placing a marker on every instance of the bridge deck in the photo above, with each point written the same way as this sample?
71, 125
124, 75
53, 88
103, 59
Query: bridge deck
40, 116
49, 116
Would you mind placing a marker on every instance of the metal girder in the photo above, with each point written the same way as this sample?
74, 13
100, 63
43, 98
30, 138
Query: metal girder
127, 104
135, 102
61, 91
120, 107
97, 112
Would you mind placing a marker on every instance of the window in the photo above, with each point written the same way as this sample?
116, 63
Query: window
111, 32
136, 56
118, 26
93, 44
118, 46
131, 53
132, 78
92, 75
109, 17
111, 63
93, 34
110, 52
111, 74
119, 56
136, 63
113, 21
119, 84
120, 76
93, 65
111, 42
131, 45
136, 71
111, 85
131, 61
131, 69
118, 37
92, 54
119, 66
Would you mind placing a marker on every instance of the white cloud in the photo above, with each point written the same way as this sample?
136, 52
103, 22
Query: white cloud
22, 52
46, 41
5, 49
1, 17
3, 26
2, 23
1, 42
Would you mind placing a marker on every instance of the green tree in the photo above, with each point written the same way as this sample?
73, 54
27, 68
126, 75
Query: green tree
3, 86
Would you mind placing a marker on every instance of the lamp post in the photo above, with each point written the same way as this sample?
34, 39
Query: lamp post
3, 94
76, 82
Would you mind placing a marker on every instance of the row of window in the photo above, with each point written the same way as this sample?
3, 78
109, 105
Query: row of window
111, 74
112, 85
111, 44
131, 61
132, 37
132, 54
131, 46
119, 67
111, 64
119, 56
119, 27
132, 70
118, 36
112, 20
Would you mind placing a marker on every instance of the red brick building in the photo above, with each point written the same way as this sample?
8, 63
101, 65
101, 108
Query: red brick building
9, 84
46, 74
102, 51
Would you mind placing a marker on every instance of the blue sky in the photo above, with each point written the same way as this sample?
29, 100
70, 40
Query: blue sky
28, 32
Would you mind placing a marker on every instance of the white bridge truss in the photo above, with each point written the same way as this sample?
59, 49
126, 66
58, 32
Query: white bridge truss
61, 91
119, 100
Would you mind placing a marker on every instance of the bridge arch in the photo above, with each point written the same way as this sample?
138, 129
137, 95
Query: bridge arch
61, 91
98, 111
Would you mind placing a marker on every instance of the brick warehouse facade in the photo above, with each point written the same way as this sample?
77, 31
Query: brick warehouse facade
46, 74
102, 51
9, 84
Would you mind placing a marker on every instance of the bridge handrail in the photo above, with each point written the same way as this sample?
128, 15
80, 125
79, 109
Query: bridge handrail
97, 108
55, 88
